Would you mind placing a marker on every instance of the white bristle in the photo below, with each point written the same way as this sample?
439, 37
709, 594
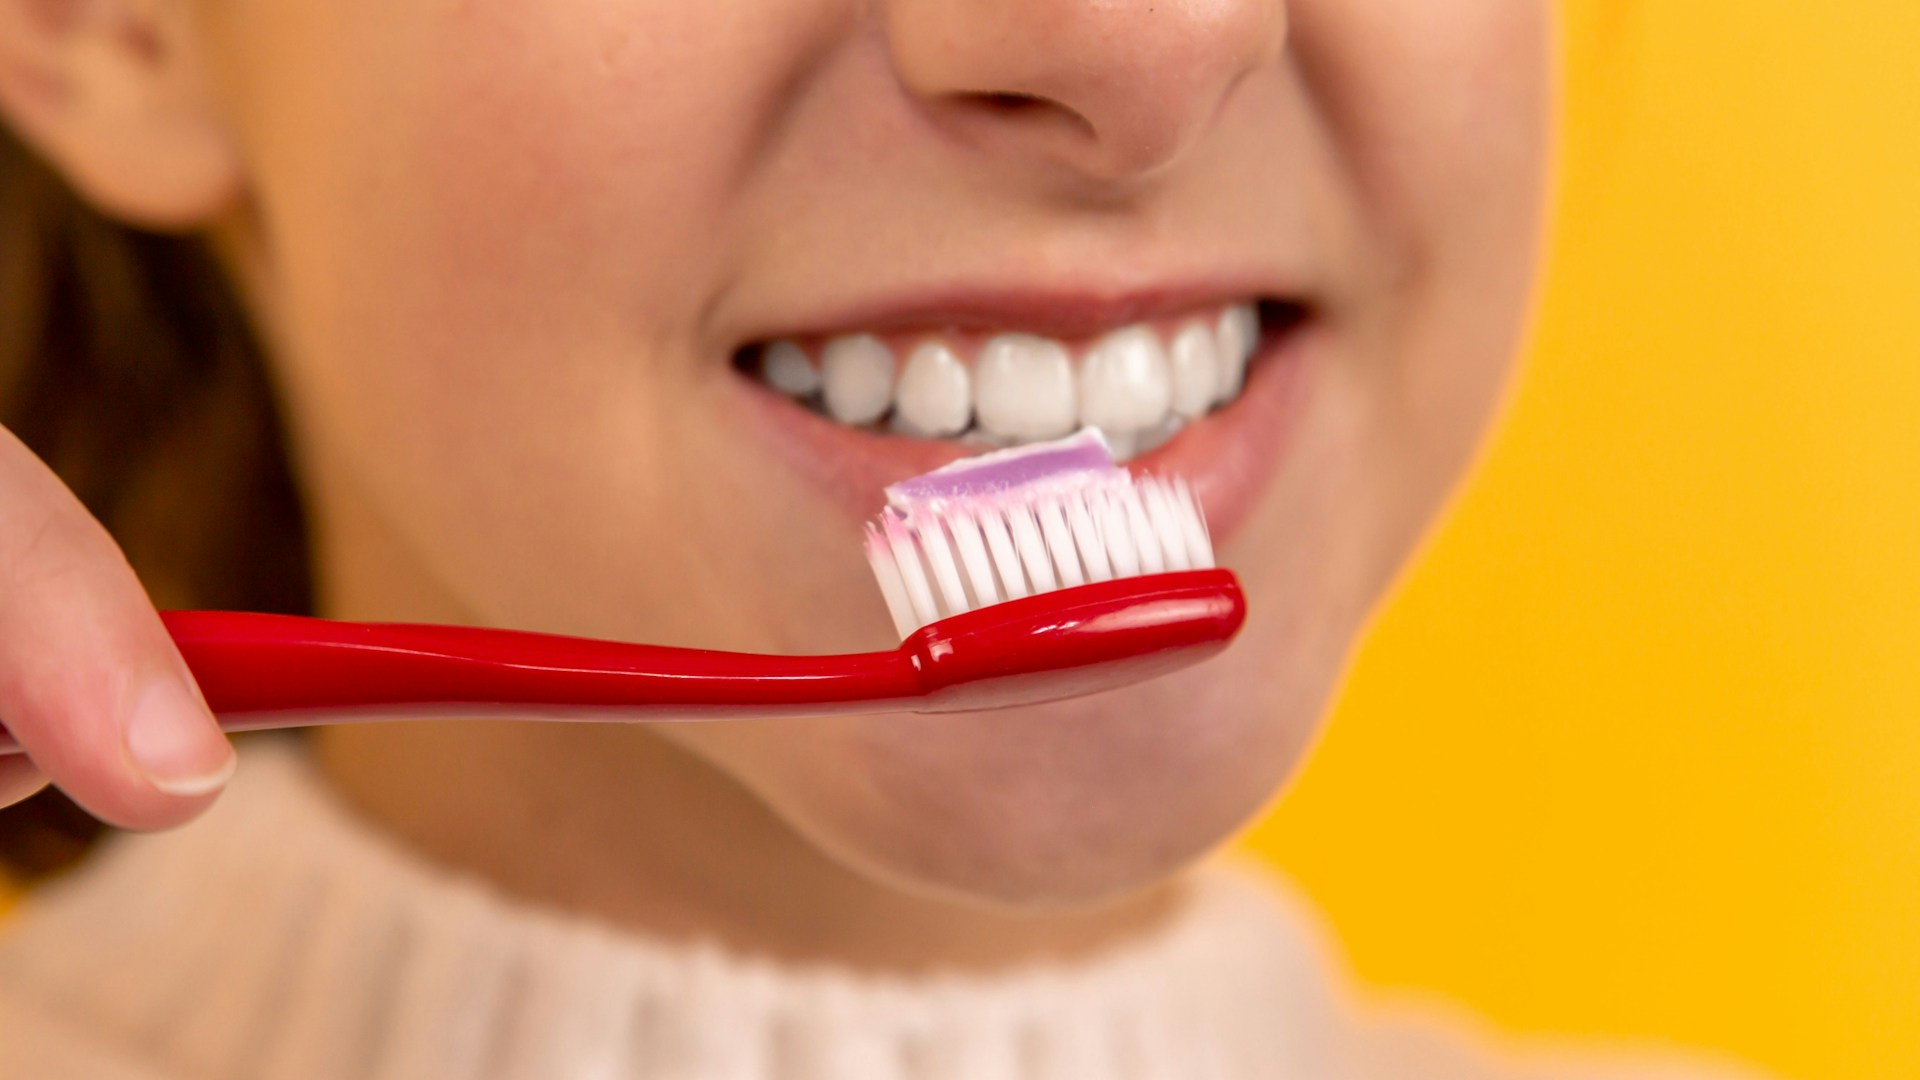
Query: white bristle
887, 571
1086, 537
973, 556
1166, 526
1013, 583
1119, 537
1144, 536
943, 560
1059, 537
1193, 527
933, 543
906, 555
1033, 550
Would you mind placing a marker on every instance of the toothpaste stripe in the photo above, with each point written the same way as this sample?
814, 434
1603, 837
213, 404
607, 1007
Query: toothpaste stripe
1046, 466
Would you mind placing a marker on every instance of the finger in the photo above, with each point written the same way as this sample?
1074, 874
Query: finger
90, 683
20, 779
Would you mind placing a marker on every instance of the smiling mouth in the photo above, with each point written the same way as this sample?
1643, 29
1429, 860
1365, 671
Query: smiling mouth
1140, 383
850, 409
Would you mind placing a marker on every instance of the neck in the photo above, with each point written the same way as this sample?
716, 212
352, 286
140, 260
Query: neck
614, 823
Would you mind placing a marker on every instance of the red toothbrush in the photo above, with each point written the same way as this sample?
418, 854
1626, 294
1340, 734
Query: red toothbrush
1016, 595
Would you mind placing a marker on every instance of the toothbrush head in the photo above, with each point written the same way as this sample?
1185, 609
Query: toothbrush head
954, 555
1048, 571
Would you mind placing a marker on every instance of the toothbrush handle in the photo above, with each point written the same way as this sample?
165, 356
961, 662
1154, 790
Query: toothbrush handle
267, 671
250, 664
262, 671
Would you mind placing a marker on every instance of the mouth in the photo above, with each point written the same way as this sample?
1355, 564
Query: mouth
1194, 390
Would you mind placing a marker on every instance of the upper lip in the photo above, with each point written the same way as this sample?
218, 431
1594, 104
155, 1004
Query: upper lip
1065, 313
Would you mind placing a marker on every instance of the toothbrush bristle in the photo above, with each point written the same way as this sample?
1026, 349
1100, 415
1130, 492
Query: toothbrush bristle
943, 557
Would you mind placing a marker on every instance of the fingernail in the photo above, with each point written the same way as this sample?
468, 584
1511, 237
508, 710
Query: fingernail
172, 740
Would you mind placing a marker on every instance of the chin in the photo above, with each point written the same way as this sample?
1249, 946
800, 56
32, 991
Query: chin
1062, 806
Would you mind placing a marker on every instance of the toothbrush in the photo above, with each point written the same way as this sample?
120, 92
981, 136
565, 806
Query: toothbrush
1018, 577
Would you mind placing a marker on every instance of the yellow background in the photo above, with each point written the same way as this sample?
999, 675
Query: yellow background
1637, 749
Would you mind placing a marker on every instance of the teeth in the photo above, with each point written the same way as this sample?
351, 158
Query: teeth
1157, 437
1023, 388
858, 376
1124, 384
1195, 362
1136, 386
1239, 332
935, 394
786, 368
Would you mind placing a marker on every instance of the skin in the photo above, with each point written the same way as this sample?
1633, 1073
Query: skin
503, 251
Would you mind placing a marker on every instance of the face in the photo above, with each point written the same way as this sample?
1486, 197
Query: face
522, 264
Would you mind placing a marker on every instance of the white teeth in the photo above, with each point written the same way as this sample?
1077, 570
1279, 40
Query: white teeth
786, 368
858, 375
1023, 388
1134, 385
1239, 332
1124, 384
1154, 438
1195, 363
935, 394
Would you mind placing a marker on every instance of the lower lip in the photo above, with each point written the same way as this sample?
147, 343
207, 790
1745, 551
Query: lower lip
1228, 457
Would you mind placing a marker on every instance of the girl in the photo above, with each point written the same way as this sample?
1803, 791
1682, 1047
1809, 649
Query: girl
539, 292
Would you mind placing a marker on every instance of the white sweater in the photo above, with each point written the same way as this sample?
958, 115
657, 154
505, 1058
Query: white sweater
281, 939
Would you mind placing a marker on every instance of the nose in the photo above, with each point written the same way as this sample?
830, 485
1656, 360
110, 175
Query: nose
1113, 89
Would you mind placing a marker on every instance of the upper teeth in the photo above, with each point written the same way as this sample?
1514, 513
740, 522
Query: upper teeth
934, 396
1137, 386
857, 373
1023, 388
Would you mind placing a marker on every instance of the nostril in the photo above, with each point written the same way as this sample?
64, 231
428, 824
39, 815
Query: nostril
1112, 90
1011, 103
1022, 110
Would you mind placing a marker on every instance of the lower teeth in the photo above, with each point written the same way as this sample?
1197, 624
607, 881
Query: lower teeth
1125, 445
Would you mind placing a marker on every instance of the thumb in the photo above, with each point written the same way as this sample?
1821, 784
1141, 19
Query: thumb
20, 779
91, 685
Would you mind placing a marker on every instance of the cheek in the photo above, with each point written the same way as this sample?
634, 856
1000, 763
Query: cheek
486, 223
1441, 114
480, 191
1439, 110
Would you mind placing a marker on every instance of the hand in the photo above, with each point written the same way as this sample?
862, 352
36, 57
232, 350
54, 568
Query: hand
90, 683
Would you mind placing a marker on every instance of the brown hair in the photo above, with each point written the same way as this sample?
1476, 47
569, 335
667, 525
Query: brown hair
127, 365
